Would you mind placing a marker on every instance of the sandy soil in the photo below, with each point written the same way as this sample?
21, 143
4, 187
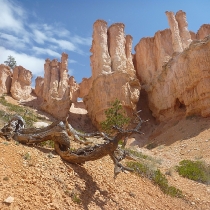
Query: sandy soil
37, 178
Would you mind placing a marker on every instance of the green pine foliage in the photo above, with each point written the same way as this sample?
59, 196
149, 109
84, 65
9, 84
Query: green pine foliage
11, 62
115, 116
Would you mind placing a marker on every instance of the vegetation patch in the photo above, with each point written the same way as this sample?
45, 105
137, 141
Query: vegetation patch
27, 115
195, 170
152, 145
157, 177
27, 156
48, 144
137, 154
115, 116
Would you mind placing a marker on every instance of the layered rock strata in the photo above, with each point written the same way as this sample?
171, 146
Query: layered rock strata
5, 79
21, 83
113, 73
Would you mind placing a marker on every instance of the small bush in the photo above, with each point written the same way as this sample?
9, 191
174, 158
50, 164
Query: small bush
194, 170
151, 145
27, 115
137, 154
49, 144
27, 156
157, 177
115, 116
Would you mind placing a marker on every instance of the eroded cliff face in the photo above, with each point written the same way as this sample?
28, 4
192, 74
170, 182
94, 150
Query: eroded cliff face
184, 84
151, 54
56, 89
203, 31
21, 83
5, 79
113, 73
174, 70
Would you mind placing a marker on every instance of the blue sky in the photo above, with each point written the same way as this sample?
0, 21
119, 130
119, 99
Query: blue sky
33, 30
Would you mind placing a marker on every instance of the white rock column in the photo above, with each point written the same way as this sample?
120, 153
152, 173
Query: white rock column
176, 40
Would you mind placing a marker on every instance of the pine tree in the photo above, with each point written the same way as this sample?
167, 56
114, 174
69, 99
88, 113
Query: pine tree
11, 62
115, 116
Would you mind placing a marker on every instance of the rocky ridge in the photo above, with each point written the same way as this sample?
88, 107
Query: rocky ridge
172, 67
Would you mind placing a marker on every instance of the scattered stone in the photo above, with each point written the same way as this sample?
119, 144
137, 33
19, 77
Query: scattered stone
9, 200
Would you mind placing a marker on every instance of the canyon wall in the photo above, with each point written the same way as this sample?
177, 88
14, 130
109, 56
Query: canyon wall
113, 73
174, 69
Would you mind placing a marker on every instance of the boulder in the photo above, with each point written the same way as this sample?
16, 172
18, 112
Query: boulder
5, 79
21, 83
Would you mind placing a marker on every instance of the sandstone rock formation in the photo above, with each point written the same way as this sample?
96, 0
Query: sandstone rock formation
174, 71
100, 58
5, 79
203, 31
56, 89
74, 89
113, 72
183, 29
39, 86
84, 87
176, 40
151, 54
21, 83
184, 84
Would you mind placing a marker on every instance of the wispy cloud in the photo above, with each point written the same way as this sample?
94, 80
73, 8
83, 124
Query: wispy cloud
82, 41
11, 16
32, 63
32, 42
43, 51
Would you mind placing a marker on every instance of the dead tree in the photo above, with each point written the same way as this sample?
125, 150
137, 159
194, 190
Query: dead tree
60, 132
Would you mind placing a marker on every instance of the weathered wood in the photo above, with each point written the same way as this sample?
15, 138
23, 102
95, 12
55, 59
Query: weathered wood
60, 132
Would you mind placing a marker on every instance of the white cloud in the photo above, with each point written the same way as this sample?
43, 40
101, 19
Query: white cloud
11, 17
39, 37
64, 44
43, 51
83, 41
12, 41
72, 61
31, 63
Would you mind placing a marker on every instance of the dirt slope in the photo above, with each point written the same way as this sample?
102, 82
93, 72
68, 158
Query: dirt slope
37, 178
